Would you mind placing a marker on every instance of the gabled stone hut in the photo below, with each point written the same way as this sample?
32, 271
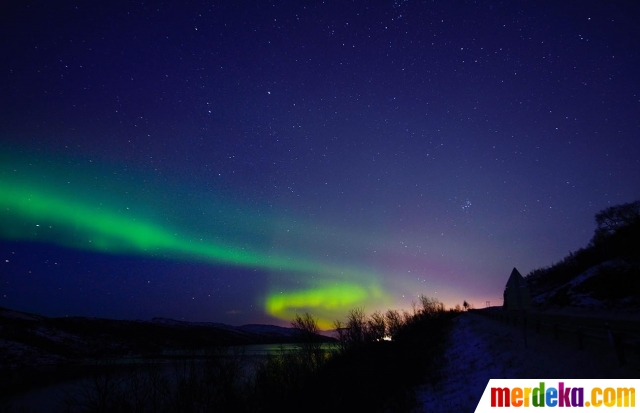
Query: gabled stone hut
516, 293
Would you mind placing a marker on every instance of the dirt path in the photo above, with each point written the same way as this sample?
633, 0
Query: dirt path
481, 348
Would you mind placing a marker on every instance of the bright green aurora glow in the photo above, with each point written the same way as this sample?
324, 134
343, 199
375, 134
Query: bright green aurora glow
30, 210
331, 299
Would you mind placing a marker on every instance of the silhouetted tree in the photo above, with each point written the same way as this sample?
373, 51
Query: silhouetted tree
343, 336
356, 327
393, 321
611, 219
308, 330
430, 306
377, 326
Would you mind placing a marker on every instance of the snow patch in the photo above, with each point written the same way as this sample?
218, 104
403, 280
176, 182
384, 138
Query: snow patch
479, 349
578, 299
466, 371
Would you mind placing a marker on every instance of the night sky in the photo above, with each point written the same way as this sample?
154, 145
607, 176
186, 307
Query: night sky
240, 162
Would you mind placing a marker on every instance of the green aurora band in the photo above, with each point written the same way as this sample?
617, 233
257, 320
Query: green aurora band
332, 300
30, 211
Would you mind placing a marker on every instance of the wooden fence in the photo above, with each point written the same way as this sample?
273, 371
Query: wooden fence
621, 336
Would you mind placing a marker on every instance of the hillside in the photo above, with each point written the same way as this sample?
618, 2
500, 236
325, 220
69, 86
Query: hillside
605, 275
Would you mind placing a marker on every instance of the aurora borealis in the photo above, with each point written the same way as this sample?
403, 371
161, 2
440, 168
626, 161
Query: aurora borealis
80, 220
246, 161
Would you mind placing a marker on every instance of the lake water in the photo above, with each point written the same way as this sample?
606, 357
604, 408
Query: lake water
49, 398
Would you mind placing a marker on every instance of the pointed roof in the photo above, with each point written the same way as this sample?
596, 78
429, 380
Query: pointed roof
516, 279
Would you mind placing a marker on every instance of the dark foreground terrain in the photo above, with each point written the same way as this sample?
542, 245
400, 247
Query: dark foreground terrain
37, 350
363, 371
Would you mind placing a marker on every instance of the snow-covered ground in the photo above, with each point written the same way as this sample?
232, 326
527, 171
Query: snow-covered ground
480, 348
575, 295
13, 354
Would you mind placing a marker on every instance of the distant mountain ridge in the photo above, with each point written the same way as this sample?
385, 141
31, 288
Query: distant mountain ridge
264, 329
605, 275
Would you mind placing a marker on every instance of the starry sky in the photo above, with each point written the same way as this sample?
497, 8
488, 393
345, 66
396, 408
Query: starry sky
244, 161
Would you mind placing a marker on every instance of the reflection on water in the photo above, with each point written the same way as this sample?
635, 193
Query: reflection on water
168, 370
274, 349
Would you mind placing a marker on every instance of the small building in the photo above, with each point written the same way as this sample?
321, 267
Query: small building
516, 293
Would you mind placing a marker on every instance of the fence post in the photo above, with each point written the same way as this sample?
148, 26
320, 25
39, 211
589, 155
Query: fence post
580, 336
618, 346
619, 343
524, 329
